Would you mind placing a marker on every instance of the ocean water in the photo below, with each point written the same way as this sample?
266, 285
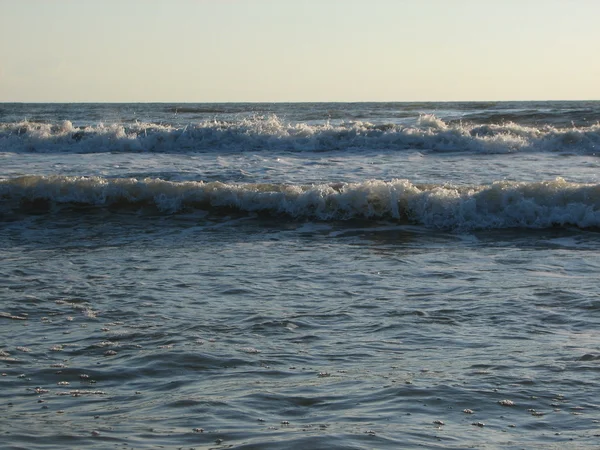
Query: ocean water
300, 276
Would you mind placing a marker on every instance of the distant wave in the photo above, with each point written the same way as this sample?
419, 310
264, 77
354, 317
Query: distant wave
203, 109
536, 116
499, 205
271, 133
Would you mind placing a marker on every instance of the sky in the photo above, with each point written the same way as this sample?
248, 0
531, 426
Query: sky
298, 50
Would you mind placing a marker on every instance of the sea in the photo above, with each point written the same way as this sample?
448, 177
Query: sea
300, 275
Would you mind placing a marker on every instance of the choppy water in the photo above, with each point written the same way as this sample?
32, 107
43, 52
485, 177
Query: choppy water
300, 276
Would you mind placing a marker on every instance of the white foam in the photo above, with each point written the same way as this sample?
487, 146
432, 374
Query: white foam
499, 205
272, 133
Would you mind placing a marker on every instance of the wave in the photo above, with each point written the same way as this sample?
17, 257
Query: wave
536, 116
429, 133
503, 204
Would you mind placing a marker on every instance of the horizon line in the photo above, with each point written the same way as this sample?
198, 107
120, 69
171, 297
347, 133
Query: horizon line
291, 101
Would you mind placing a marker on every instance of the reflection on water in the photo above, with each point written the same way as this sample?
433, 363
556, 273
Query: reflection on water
254, 334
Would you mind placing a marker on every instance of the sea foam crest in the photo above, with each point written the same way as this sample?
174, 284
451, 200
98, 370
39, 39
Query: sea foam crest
502, 204
272, 133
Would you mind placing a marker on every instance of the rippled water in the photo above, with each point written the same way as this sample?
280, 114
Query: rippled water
337, 335
126, 327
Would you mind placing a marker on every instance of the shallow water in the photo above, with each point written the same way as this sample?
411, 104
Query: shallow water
358, 336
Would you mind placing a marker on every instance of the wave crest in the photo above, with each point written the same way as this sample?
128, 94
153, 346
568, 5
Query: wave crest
502, 204
258, 133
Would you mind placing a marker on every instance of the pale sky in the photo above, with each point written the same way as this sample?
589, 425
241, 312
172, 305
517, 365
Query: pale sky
298, 50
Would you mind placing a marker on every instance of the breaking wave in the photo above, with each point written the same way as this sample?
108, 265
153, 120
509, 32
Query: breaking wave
502, 204
429, 133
